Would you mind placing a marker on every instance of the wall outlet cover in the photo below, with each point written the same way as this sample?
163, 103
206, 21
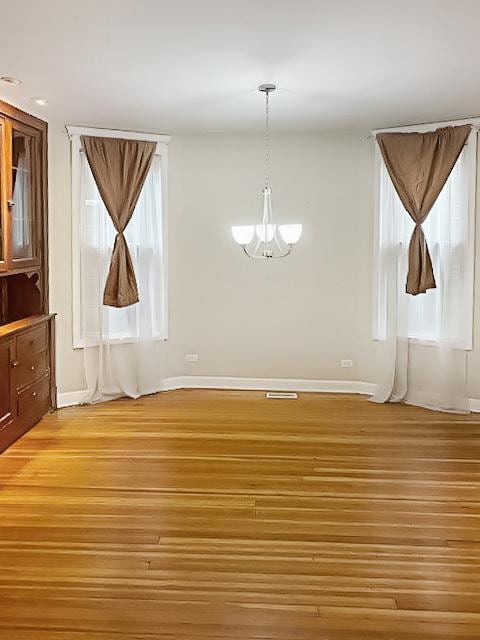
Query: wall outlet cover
346, 363
191, 357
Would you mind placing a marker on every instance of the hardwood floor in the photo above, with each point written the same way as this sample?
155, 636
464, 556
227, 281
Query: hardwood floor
220, 515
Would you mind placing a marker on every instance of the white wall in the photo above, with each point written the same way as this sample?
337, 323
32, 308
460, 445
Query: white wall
69, 361
291, 318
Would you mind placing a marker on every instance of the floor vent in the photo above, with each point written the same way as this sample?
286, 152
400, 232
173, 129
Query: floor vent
284, 395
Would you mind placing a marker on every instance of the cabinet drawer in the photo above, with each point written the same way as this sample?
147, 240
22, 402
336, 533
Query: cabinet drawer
30, 368
32, 342
33, 402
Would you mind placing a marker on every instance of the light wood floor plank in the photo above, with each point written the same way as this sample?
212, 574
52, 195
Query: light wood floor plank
218, 515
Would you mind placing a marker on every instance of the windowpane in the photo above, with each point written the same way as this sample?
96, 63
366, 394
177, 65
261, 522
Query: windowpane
144, 235
448, 233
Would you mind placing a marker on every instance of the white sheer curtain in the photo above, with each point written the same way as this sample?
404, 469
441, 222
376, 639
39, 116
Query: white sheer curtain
425, 337
122, 346
21, 213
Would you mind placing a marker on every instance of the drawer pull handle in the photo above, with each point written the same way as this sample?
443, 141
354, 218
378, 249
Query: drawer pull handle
14, 363
34, 394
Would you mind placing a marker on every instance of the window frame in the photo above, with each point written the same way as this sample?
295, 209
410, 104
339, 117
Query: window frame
74, 133
378, 319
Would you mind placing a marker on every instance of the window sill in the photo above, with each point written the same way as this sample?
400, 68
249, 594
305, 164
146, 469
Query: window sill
424, 342
82, 345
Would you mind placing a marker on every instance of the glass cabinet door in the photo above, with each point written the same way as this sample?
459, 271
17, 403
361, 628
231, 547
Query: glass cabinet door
3, 197
23, 200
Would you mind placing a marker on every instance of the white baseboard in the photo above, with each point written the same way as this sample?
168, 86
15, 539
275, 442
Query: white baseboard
474, 405
71, 398
254, 384
268, 384
243, 384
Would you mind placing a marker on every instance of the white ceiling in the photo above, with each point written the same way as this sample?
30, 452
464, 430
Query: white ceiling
194, 65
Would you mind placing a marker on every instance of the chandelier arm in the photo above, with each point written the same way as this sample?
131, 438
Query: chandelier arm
254, 257
275, 237
258, 243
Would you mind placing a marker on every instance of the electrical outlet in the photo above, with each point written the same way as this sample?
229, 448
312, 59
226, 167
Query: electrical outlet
191, 357
346, 363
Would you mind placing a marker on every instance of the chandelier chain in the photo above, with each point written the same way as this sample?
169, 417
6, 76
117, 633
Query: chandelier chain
267, 139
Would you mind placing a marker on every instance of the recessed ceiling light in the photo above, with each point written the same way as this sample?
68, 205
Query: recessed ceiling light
41, 101
9, 80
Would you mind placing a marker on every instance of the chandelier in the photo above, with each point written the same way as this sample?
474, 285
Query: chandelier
267, 240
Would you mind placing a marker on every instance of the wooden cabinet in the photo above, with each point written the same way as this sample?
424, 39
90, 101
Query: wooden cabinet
7, 397
27, 368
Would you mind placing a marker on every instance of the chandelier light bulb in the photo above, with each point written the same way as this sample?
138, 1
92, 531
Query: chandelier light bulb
290, 232
243, 234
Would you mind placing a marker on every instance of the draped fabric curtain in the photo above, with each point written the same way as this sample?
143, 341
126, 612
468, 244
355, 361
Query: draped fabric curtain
119, 168
419, 165
424, 338
123, 346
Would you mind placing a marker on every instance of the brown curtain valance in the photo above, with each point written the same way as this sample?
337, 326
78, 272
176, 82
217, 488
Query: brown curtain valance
119, 168
419, 165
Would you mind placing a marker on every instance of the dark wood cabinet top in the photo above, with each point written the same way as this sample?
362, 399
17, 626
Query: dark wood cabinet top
9, 329
22, 116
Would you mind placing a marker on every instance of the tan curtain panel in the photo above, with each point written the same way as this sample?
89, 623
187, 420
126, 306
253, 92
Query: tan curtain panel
119, 168
419, 165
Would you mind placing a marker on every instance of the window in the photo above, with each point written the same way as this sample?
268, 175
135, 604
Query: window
449, 230
93, 239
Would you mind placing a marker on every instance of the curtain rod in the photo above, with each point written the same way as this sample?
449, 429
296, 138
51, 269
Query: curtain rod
75, 130
423, 127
